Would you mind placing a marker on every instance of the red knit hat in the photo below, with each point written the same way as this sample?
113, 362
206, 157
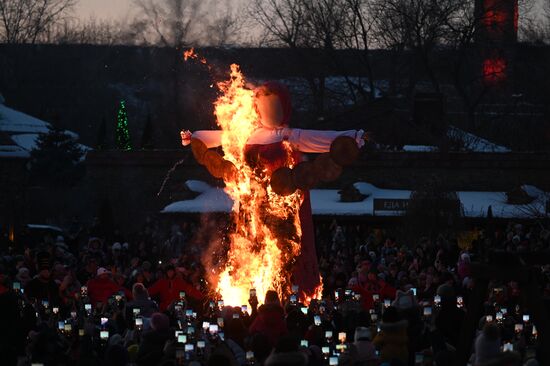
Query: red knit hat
280, 90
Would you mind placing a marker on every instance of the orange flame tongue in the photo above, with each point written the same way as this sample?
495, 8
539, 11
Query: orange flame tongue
260, 256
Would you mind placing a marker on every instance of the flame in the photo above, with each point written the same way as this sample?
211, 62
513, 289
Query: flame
260, 256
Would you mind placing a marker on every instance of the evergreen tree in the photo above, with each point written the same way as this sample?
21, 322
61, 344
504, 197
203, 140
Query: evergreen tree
122, 135
56, 159
147, 137
102, 135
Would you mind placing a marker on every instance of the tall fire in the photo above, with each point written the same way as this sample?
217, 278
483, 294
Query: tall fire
264, 238
257, 256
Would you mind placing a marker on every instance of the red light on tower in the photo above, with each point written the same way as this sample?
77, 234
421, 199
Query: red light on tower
494, 70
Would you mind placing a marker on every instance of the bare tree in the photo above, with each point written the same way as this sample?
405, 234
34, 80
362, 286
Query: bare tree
95, 31
25, 21
172, 23
225, 29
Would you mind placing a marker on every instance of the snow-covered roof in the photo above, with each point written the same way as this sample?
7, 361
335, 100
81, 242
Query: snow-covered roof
18, 122
23, 130
327, 202
475, 143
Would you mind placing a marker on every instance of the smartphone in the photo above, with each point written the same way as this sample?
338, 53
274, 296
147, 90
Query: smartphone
325, 350
317, 320
333, 361
504, 311
489, 318
177, 333
201, 344
342, 337
526, 318
250, 356
374, 317
427, 311
81, 333
182, 295
73, 314
414, 291
136, 311
189, 348
104, 335
336, 295
518, 328
84, 290
295, 289
418, 358
190, 330
459, 301
375, 297
437, 299
189, 312
139, 323
16, 286
236, 316
222, 336
304, 343
508, 347
244, 309
61, 325
220, 322
68, 327
45, 303
220, 304
304, 310
211, 304
499, 316
348, 292
293, 299
182, 338
55, 310
387, 303
213, 329
328, 334
357, 297
104, 321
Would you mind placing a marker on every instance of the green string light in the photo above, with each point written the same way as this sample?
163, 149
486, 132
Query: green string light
122, 134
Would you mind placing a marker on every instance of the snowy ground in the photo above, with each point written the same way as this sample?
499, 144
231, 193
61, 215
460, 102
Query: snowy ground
327, 202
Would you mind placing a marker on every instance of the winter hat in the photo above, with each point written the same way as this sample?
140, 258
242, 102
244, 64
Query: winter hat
102, 270
362, 334
125, 245
391, 315
159, 321
23, 275
276, 114
404, 300
43, 261
446, 292
117, 246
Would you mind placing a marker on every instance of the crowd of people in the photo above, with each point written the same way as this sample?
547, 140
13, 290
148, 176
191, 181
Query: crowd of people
86, 298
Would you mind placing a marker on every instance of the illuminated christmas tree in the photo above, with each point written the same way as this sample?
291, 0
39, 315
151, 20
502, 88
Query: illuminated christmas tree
122, 135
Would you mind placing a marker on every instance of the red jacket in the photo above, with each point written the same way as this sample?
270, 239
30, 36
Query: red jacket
270, 322
99, 290
169, 291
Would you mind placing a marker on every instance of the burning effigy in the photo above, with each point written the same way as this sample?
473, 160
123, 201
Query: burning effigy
270, 239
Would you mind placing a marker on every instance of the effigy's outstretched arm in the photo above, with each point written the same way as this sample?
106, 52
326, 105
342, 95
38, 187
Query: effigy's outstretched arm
211, 138
313, 141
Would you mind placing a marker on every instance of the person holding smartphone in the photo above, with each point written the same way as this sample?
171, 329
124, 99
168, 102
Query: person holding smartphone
168, 288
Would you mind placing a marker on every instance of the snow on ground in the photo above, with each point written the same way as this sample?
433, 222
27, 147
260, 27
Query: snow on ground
475, 143
327, 202
419, 148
